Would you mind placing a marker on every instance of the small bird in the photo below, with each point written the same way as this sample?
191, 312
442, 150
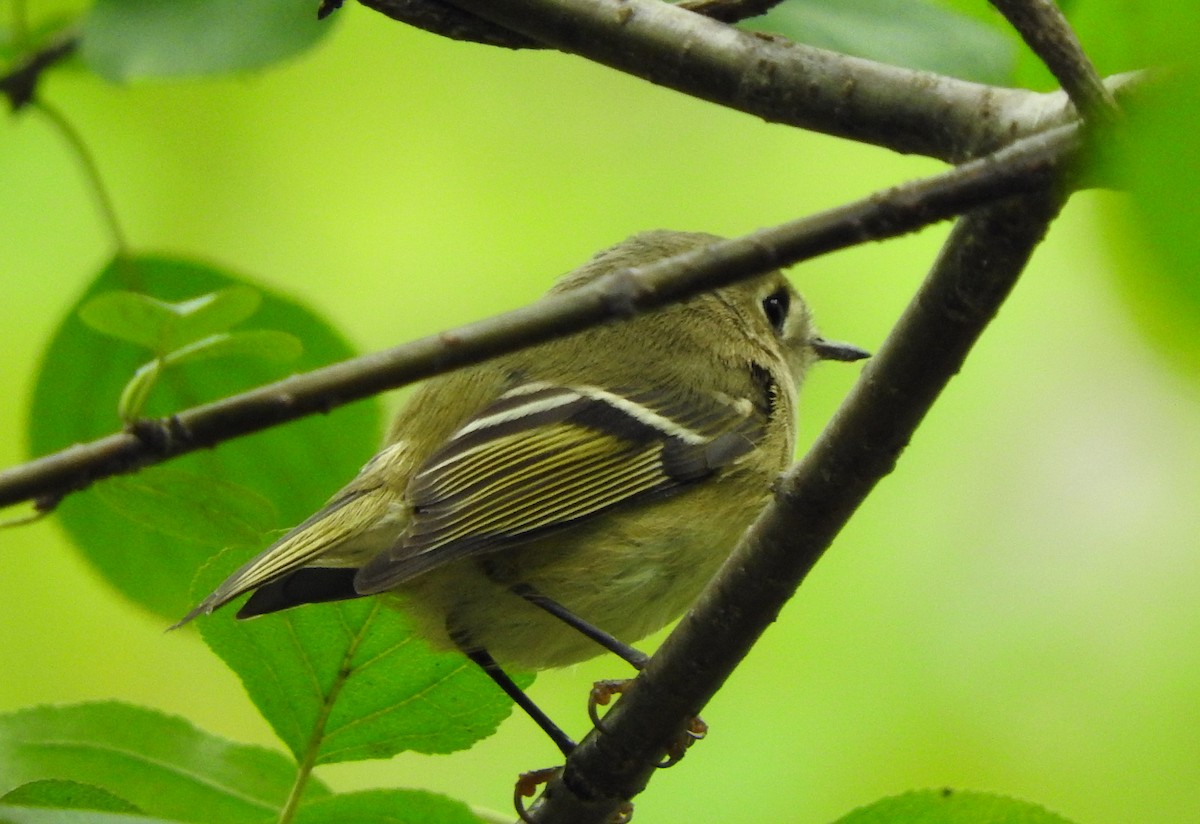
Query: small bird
576, 495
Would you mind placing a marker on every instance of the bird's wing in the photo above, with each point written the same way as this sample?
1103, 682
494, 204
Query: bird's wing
544, 456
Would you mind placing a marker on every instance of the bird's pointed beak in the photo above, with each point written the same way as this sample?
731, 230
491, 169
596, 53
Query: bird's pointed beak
833, 350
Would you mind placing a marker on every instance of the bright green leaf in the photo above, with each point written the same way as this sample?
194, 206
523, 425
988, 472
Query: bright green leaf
67, 795
917, 34
296, 466
386, 807
135, 39
214, 312
950, 807
267, 344
130, 316
10, 814
162, 764
1155, 158
355, 667
163, 326
137, 391
187, 506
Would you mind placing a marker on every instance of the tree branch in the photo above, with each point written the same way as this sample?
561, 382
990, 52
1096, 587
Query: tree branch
978, 266
447, 20
778, 80
1046, 31
1026, 166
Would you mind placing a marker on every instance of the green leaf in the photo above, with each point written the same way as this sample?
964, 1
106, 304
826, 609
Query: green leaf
350, 680
917, 34
385, 807
137, 391
295, 466
162, 326
135, 39
162, 764
130, 316
45, 815
67, 795
267, 344
187, 506
214, 312
950, 807
1155, 233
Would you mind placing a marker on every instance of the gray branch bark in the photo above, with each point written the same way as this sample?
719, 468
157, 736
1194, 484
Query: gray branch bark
773, 78
978, 267
1030, 164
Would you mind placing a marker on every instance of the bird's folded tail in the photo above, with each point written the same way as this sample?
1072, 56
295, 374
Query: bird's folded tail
319, 543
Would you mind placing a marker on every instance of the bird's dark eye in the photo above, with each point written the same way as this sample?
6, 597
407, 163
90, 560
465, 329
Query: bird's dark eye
775, 307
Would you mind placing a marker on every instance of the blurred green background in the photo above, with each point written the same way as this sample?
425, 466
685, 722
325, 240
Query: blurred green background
1013, 610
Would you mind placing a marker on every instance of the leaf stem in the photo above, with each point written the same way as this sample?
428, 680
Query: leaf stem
91, 170
312, 749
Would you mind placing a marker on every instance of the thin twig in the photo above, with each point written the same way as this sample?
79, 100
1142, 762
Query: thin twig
91, 170
1023, 167
1047, 32
979, 264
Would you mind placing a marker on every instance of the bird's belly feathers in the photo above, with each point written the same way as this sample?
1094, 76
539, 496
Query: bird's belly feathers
627, 586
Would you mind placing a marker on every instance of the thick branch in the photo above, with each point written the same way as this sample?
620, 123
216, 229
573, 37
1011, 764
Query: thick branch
1024, 167
979, 265
776, 79
450, 21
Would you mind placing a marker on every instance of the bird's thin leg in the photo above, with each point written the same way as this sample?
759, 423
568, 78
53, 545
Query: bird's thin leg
636, 658
488, 664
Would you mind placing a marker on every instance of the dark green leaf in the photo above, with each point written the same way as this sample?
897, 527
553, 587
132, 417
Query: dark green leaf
356, 668
267, 344
187, 506
385, 807
162, 764
950, 807
917, 34
67, 795
135, 39
296, 466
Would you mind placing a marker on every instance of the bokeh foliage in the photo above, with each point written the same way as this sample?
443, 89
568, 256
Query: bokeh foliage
388, 184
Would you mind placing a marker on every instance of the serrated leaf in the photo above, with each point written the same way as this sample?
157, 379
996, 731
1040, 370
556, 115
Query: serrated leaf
67, 795
295, 466
951, 807
351, 680
137, 39
162, 764
386, 807
267, 344
916, 34
187, 506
